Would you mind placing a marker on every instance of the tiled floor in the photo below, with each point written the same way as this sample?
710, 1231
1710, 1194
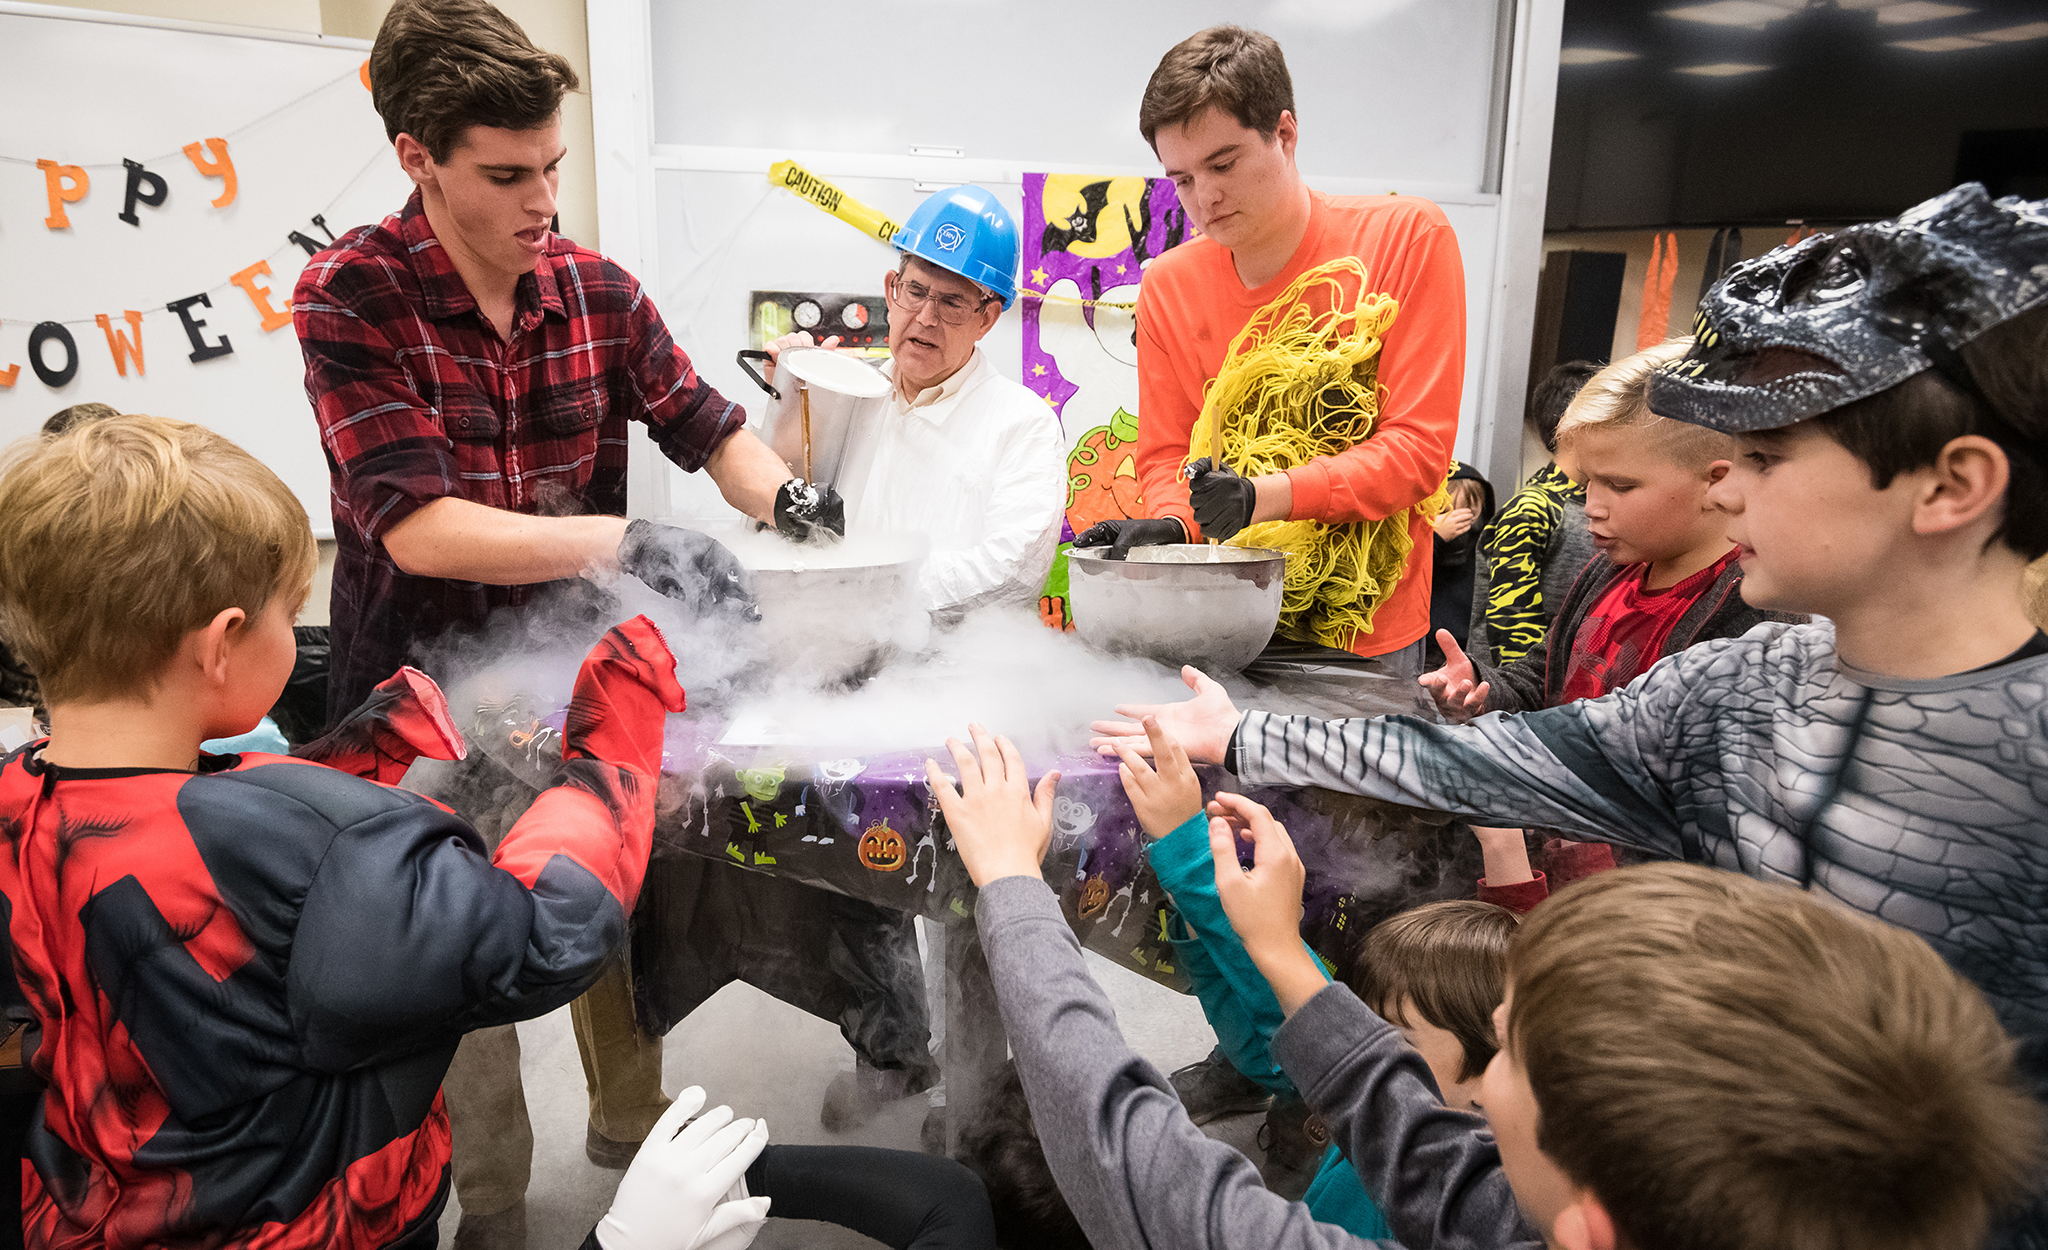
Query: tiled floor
767, 1059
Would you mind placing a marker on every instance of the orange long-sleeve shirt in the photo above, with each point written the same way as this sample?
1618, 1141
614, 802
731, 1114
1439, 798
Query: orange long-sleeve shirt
1191, 305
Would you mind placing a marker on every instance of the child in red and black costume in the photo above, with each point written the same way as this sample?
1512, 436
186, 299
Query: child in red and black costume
242, 976
1665, 577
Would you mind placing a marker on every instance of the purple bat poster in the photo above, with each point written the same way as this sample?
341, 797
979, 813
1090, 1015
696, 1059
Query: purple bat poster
1087, 241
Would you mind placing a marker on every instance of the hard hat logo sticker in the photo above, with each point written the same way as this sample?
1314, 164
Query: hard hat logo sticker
949, 237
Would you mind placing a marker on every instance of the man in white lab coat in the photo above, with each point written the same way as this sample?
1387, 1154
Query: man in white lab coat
965, 456
974, 461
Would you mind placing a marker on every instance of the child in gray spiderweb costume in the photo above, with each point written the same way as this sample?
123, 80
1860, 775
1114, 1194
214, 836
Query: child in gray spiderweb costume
1888, 389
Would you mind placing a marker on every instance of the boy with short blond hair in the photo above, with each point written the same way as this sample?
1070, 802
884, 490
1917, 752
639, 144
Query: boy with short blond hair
1664, 575
1859, 1092
243, 975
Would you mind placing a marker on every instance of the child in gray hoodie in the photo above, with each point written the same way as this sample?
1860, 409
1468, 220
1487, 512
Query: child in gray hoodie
1638, 1005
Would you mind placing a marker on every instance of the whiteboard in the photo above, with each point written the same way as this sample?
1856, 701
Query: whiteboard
1393, 89
90, 89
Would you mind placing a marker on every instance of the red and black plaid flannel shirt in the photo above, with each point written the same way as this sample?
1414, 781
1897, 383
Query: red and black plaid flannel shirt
417, 398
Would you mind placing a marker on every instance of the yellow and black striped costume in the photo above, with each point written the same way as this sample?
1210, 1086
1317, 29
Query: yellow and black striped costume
1532, 551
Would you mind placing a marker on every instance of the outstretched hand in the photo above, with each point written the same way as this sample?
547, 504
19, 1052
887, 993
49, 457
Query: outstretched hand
1166, 797
1000, 826
1263, 901
1202, 725
1459, 696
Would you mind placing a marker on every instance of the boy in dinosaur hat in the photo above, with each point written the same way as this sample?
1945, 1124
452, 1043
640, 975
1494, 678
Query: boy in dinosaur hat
1888, 390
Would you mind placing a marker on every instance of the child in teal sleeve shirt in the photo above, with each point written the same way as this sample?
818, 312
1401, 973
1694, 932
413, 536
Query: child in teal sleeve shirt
1241, 1008
1435, 972
1236, 999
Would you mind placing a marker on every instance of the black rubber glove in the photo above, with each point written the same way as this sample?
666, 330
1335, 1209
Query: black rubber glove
1121, 535
1222, 500
691, 568
808, 513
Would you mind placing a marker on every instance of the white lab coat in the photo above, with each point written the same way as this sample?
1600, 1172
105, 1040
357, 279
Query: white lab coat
977, 467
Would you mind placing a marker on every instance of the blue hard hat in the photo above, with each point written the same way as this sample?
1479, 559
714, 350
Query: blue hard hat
965, 230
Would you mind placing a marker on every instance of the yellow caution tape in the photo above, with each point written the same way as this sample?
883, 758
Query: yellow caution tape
809, 186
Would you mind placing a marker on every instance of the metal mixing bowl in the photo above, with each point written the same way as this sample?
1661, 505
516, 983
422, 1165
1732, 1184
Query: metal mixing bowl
1212, 607
836, 612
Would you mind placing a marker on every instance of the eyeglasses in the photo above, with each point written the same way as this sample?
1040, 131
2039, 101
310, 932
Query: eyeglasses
910, 295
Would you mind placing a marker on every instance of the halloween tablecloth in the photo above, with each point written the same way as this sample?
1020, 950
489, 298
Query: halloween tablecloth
867, 827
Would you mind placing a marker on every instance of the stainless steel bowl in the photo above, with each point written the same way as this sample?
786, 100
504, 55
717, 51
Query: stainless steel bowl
1212, 607
831, 613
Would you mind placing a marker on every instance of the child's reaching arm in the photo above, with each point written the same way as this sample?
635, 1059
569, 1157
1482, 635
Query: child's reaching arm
1611, 769
405, 717
1509, 881
1235, 999
1434, 1174
1135, 1170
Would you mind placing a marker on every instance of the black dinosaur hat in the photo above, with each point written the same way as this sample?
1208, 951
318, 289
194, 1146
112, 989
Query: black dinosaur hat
1827, 321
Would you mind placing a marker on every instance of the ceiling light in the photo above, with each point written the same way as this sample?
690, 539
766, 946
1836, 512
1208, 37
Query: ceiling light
1917, 11
1722, 69
1593, 56
1730, 13
1945, 43
2015, 34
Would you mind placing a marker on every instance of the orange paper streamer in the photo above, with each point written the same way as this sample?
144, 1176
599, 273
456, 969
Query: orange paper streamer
55, 176
222, 166
260, 296
1655, 324
118, 343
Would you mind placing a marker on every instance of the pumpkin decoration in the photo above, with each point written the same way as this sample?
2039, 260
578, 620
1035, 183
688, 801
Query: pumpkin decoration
881, 849
1102, 474
1094, 897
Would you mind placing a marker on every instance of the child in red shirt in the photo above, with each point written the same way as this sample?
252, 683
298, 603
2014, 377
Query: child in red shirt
1665, 577
241, 976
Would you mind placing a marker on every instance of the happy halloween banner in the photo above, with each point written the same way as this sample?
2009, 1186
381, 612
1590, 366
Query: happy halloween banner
73, 190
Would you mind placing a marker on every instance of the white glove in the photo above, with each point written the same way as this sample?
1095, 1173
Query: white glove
679, 1193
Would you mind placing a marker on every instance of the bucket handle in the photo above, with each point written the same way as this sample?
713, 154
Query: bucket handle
748, 353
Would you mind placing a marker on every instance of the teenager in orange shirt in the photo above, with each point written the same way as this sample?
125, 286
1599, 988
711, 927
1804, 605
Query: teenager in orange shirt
1219, 112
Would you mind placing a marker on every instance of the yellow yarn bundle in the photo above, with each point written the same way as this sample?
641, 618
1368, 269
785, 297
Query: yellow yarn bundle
1298, 384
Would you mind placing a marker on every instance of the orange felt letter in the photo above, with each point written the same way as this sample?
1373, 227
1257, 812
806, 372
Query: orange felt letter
118, 343
222, 166
260, 296
55, 176
7, 375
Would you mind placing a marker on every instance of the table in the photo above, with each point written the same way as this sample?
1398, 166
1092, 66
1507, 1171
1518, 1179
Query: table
868, 828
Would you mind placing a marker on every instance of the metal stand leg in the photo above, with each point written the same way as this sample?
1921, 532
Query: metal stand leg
976, 1045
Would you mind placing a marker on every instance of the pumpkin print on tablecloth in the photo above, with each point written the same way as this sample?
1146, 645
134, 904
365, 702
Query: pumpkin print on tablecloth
882, 849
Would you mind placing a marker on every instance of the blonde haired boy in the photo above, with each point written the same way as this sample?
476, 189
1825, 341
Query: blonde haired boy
242, 976
1664, 575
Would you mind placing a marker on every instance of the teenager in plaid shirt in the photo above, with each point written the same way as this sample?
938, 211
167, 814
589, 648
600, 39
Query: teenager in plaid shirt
473, 373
